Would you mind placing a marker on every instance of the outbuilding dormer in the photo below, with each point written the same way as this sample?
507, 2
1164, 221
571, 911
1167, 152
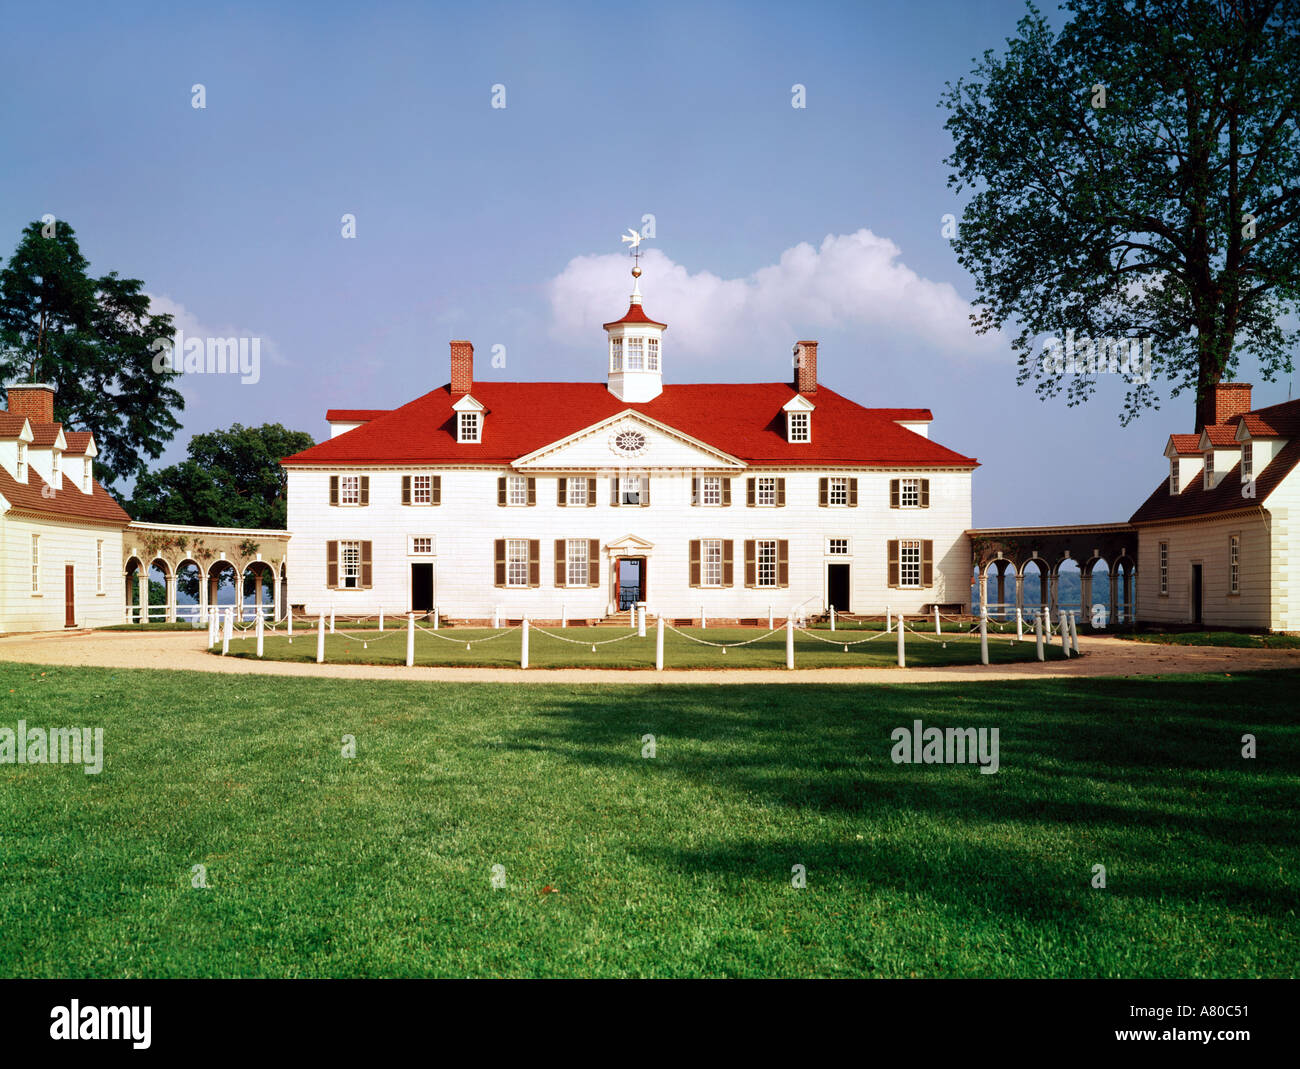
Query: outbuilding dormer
1185, 460
1220, 452
15, 440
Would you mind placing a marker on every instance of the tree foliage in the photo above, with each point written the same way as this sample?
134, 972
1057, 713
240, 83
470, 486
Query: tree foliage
1171, 213
91, 338
229, 479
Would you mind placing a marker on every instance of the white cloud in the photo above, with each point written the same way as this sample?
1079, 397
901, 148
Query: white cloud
852, 281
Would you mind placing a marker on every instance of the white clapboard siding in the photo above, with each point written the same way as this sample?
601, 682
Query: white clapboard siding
62, 543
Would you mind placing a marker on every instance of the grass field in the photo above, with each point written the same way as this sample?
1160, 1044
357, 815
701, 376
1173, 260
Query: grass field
1236, 639
572, 648
616, 864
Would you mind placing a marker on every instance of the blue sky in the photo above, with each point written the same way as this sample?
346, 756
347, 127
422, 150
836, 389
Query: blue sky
501, 225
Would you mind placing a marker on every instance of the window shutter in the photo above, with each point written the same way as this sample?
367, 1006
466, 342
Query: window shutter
853, 493
925, 493
695, 562
645, 490
591, 493
783, 563
559, 558
561, 491
751, 563
332, 565
534, 562
532, 490
367, 569
728, 562
334, 489
893, 493
927, 563
406, 489
695, 491
437, 489
365, 489
593, 560
726, 492
823, 492
780, 493
501, 490
613, 490
893, 562
749, 492
499, 573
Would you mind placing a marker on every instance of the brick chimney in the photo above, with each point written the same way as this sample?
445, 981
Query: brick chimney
1231, 399
462, 367
805, 366
35, 400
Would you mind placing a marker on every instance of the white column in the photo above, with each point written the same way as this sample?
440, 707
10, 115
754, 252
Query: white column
1020, 623
938, 626
640, 622
832, 617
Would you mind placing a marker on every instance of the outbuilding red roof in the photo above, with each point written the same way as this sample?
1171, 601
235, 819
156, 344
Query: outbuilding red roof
1196, 500
744, 420
1185, 444
69, 503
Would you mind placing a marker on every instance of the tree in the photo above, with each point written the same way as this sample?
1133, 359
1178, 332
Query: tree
230, 479
1137, 175
91, 338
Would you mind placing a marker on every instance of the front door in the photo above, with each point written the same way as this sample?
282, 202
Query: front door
837, 587
422, 587
631, 581
69, 597
1196, 594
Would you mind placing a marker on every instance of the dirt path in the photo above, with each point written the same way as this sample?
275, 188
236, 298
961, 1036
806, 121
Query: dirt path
187, 651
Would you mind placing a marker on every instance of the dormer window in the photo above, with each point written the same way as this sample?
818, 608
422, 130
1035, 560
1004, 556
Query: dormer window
1247, 461
20, 470
800, 426
54, 468
1173, 475
636, 354
88, 475
615, 354
1209, 469
468, 428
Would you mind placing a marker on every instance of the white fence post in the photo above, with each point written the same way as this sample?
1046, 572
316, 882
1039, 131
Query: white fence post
1063, 623
410, 639
564, 615
331, 619
381, 619
1074, 633
659, 644
889, 623
212, 629
523, 644
902, 655
496, 617
938, 626
984, 634
704, 620
288, 620
320, 640
1020, 624
1038, 634
770, 625
832, 617
261, 625
640, 622
225, 638
789, 640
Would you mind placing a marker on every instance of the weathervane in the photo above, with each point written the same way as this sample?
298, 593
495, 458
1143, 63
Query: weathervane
633, 239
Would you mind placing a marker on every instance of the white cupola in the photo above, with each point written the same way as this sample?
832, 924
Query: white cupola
636, 350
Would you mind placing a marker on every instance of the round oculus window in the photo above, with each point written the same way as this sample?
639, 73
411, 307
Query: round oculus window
629, 441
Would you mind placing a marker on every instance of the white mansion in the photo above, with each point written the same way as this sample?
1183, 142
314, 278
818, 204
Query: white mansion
570, 500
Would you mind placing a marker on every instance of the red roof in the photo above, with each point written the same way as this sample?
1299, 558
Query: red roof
45, 435
1196, 501
1186, 443
1275, 421
11, 426
78, 441
1222, 435
354, 415
69, 503
744, 420
636, 314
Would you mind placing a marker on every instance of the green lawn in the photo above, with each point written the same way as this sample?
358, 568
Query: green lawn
572, 648
678, 865
1237, 639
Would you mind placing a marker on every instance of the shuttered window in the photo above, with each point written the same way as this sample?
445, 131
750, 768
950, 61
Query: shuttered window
516, 562
909, 493
910, 563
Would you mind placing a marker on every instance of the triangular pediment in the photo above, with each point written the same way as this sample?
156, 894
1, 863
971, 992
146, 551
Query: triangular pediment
629, 543
629, 439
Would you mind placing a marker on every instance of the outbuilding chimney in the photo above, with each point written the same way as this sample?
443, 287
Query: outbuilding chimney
462, 367
1231, 399
805, 366
35, 400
